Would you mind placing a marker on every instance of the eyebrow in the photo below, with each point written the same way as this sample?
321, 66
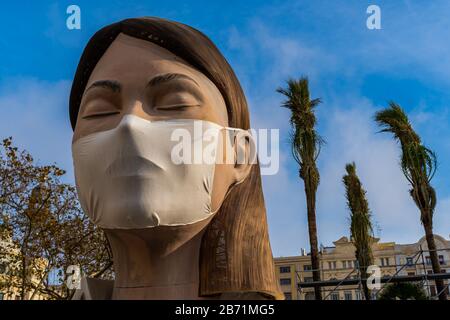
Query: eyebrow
167, 77
107, 84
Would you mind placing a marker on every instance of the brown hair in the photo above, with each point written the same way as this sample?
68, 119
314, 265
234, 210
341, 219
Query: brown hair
235, 252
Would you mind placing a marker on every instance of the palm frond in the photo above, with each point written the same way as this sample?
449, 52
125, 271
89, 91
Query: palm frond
361, 229
418, 163
306, 142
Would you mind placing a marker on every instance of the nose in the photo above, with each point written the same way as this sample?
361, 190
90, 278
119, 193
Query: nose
133, 111
136, 108
131, 124
133, 117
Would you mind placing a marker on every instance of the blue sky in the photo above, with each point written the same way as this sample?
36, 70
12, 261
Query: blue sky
354, 70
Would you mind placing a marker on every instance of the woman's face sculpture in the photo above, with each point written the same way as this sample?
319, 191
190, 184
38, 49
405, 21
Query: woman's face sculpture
136, 96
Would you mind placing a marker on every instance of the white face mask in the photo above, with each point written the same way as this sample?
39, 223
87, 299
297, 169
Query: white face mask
126, 177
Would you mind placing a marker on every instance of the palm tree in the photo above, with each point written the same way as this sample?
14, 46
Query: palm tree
418, 164
305, 148
360, 225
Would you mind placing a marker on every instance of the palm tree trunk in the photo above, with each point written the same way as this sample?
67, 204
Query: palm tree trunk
366, 290
312, 229
434, 260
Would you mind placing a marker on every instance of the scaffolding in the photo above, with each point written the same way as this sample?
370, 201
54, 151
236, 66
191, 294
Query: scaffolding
423, 275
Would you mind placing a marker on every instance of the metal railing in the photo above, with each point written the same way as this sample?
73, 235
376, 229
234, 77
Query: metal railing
419, 263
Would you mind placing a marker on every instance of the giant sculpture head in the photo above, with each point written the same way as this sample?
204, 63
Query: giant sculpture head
138, 83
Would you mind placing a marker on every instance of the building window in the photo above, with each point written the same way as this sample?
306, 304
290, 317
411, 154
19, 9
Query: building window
288, 296
285, 269
409, 262
332, 265
384, 262
308, 279
347, 264
348, 295
334, 296
307, 267
411, 273
440, 257
358, 295
285, 281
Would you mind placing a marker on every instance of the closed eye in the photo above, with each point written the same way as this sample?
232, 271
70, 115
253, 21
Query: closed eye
101, 99
176, 107
175, 100
174, 92
100, 114
99, 109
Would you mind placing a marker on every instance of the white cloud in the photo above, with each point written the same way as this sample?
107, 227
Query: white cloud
274, 57
352, 137
441, 222
345, 120
35, 114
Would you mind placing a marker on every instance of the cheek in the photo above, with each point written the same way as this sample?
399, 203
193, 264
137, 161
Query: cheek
222, 181
216, 104
86, 127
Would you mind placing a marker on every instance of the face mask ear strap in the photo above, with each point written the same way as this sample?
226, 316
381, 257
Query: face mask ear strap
236, 129
237, 182
223, 200
230, 188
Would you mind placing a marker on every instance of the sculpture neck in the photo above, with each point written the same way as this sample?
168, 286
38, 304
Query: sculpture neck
157, 263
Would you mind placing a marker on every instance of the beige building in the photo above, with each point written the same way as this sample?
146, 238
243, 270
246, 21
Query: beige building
338, 262
412, 263
10, 284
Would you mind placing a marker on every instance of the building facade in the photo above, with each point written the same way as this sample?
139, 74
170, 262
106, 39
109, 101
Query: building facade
10, 282
338, 262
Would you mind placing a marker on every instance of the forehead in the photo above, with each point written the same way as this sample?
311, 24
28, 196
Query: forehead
132, 60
